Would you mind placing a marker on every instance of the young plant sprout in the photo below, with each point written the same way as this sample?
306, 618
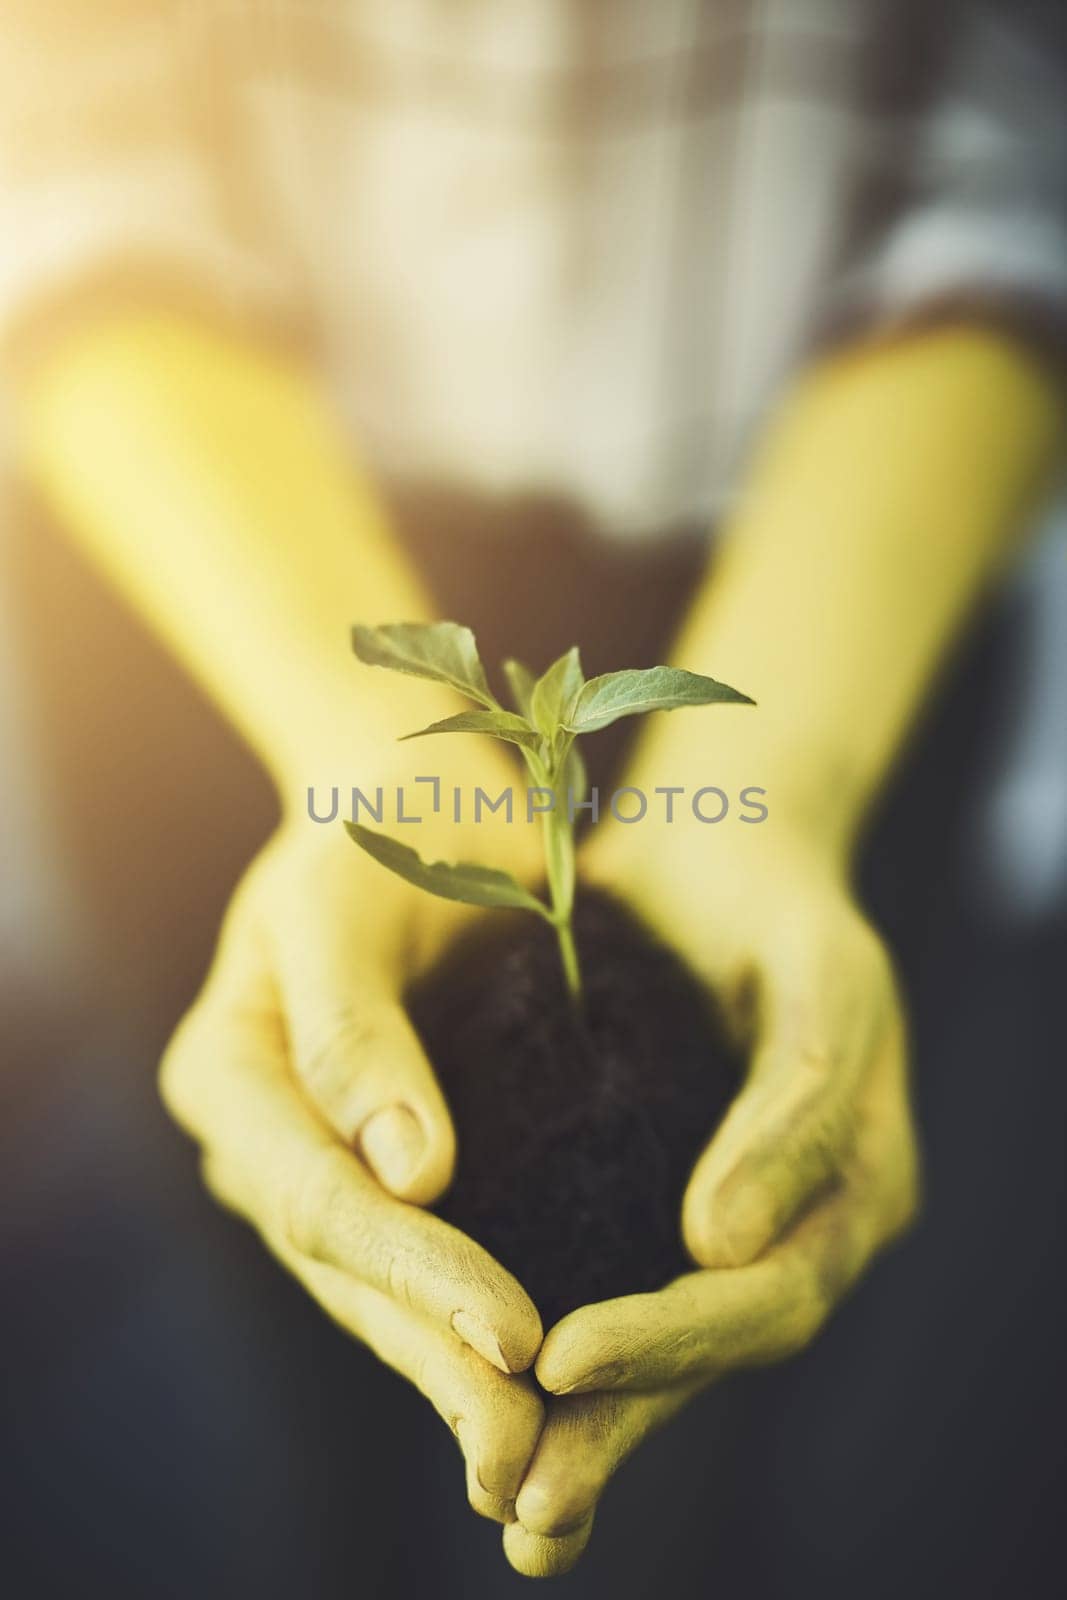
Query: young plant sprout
552, 711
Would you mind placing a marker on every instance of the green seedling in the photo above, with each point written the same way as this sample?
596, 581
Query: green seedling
550, 713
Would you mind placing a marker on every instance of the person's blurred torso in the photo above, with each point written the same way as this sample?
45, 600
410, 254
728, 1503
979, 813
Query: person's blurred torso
555, 246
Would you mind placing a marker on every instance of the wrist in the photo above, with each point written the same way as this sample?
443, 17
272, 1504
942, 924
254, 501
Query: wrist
890, 486
768, 782
343, 733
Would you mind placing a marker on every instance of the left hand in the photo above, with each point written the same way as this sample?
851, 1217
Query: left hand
813, 1170
321, 1123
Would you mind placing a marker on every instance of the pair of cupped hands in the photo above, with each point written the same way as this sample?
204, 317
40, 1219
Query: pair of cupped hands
320, 1122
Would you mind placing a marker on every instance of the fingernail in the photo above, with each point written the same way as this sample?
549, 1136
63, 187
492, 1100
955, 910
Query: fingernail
393, 1144
533, 1505
480, 1338
596, 1378
747, 1225
537, 1508
500, 1507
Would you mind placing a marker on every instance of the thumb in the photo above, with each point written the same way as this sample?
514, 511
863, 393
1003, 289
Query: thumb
360, 1061
781, 1143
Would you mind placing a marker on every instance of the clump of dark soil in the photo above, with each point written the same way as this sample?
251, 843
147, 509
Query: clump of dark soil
576, 1132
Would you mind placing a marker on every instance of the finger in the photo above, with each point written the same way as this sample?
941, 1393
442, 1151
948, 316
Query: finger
496, 1419
535, 1556
585, 1439
827, 1012
355, 1051
781, 1143
710, 1322
226, 1078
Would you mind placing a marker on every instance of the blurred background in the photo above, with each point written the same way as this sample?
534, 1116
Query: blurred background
177, 1420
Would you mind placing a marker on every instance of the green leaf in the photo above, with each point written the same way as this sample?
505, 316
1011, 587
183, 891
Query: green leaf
555, 691
443, 651
501, 724
628, 694
465, 881
521, 683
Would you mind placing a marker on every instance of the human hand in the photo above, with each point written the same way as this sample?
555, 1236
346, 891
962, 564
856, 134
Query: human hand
321, 1123
811, 607
813, 1170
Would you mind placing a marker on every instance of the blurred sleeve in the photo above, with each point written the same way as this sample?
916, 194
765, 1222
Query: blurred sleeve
119, 168
982, 225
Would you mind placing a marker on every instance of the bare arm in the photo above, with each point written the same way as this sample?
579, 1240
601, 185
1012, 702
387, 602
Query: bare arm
891, 490
206, 476
894, 486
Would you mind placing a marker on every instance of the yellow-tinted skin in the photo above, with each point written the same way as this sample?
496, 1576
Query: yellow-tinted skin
204, 475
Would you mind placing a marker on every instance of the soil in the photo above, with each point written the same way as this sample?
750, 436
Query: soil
576, 1131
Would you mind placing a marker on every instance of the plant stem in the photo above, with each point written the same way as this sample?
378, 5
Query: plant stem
569, 956
558, 835
559, 864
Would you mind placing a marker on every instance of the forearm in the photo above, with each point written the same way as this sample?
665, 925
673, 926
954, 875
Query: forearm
889, 492
205, 478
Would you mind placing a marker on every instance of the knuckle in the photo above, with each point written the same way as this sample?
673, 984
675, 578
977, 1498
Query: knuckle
348, 1030
333, 1048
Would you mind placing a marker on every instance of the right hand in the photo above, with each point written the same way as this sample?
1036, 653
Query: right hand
321, 1123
